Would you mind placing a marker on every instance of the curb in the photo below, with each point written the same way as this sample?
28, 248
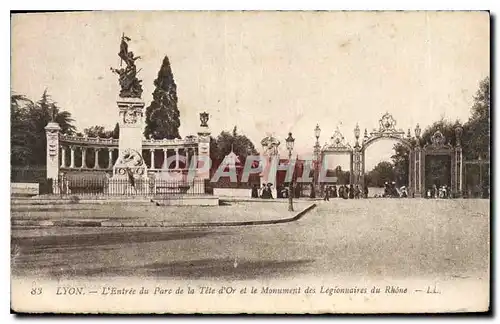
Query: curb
145, 223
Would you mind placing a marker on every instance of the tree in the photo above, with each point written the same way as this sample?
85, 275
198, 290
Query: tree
343, 177
100, 131
476, 137
241, 145
20, 130
162, 115
28, 121
381, 173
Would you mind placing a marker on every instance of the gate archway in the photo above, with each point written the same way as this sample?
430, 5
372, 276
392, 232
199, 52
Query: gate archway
417, 153
337, 146
439, 145
387, 130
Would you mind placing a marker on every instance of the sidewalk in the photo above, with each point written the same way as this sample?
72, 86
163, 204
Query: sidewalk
133, 215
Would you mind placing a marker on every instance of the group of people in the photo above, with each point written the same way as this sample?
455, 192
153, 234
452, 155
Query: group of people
265, 192
438, 192
345, 192
390, 191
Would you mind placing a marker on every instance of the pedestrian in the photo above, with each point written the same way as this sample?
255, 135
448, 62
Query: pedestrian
334, 192
327, 194
346, 192
341, 191
365, 192
269, 191
313, 192
351, 191
262, 191
357, 192
255, 191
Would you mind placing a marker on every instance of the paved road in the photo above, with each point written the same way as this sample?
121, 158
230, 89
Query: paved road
361, 238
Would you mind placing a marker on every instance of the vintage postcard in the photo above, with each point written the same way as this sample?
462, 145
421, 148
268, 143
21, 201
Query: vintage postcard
250, 162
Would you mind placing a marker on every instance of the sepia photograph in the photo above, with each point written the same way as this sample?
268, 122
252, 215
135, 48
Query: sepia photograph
250, 162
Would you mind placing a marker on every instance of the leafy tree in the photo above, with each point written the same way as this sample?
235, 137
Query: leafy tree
381, 173
221, 146
476, 137
343, 177
162, 115
100, 131
20, 130
401, 162
28, 121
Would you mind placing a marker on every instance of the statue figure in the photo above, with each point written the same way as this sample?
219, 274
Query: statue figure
130, 85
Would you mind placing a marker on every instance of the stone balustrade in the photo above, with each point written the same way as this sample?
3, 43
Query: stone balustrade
184, 149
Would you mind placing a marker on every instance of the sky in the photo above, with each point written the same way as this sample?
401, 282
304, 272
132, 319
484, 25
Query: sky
268, 73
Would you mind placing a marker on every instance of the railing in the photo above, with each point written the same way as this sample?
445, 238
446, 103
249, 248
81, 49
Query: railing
124, 187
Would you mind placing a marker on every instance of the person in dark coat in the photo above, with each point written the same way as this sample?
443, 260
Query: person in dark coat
255, 191
341, 191
351, 191
313, 191
327, 194
346, 192
269, 191
365, 192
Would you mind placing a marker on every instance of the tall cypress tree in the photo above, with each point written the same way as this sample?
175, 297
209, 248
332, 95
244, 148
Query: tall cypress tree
162, 115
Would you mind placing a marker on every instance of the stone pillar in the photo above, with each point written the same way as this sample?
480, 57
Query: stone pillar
204, 147
72, 156
165, 153
421, 173
96, 159
131, 123
176, 157
110, 158
152, 156
63, 157
52, 132
194, 159
84, 157
186, 163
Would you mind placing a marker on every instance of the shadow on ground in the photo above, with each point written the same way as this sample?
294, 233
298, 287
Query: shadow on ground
92, 241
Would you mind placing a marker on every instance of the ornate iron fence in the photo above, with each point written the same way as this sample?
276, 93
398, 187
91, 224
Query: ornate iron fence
123, 187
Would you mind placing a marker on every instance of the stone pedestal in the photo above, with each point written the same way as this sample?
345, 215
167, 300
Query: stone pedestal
131, 122
52, 132
203, 158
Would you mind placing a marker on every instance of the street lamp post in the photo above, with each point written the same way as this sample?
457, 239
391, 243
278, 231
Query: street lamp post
289, 145
317, 152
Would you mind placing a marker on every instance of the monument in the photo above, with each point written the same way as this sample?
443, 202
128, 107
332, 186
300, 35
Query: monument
131, 117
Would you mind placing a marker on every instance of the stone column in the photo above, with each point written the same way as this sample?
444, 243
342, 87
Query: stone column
176, 157
186, 166
72, 159
63, 157
152, 156
194, 158
84, 157
110, 158
165, 166
203, 151
96, 159
52, 132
